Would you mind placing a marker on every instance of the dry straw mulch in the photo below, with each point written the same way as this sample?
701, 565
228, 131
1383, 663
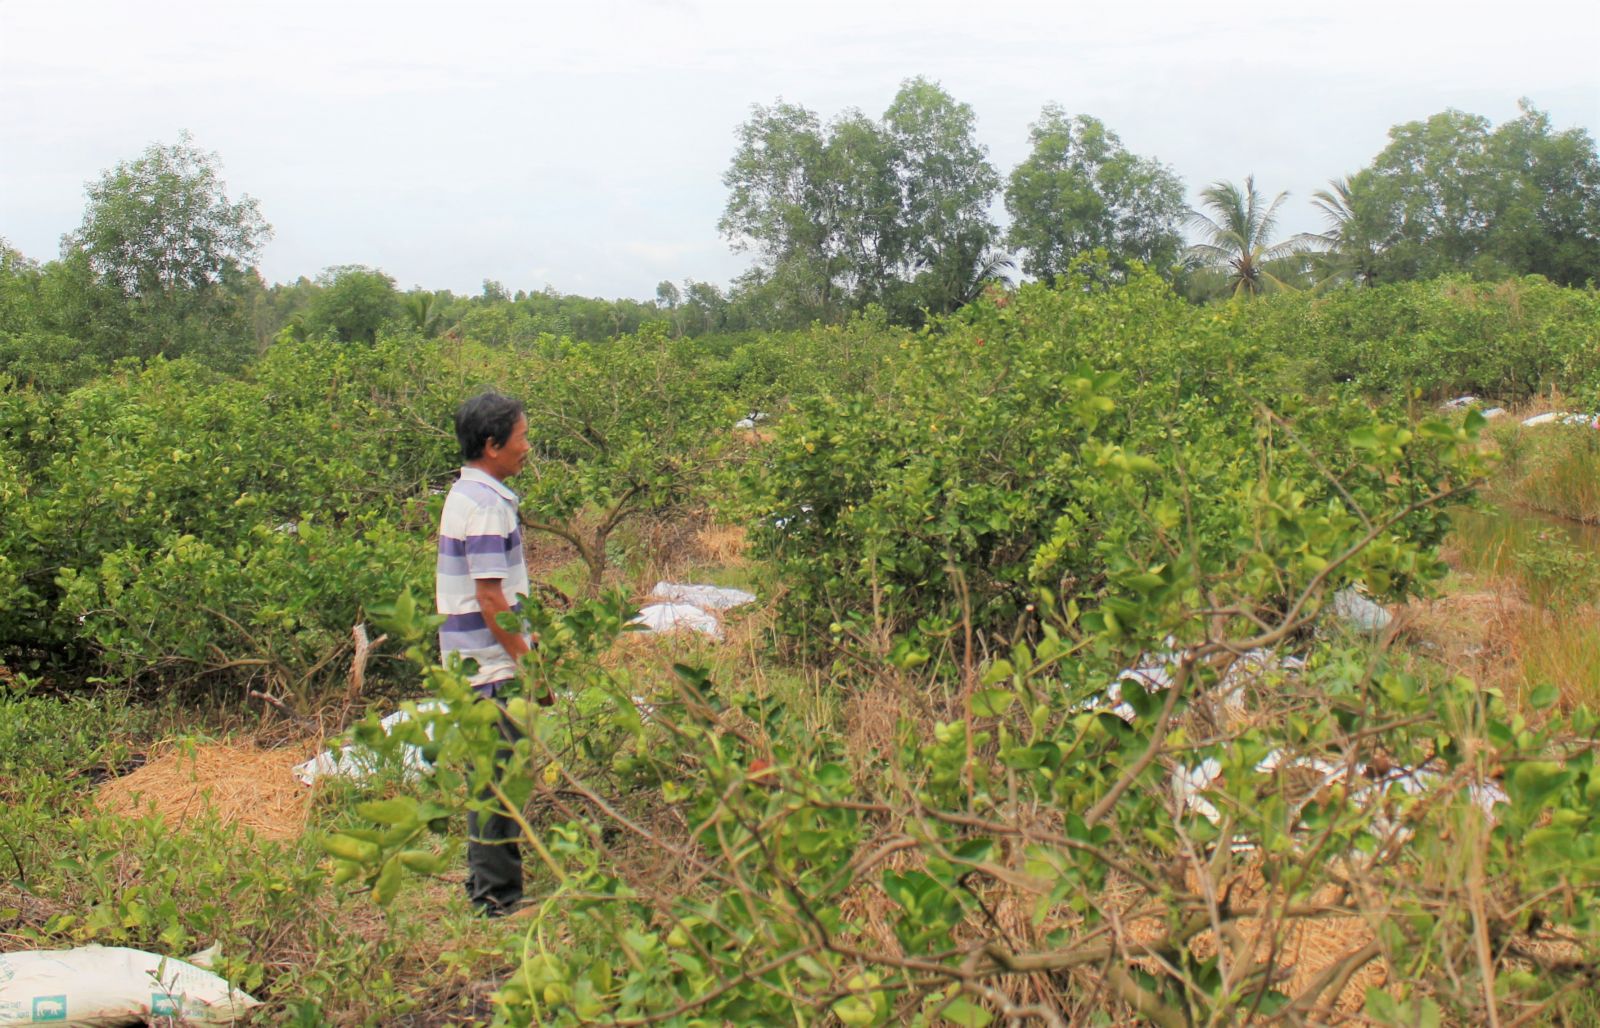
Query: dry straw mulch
236, 783
1297, 949
1478, 634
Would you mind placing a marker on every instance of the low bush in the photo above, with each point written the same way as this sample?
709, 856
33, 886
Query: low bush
995, 461
1443, 337
1024, 846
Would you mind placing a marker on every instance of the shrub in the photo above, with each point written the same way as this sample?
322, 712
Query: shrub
1026, 853
995, 461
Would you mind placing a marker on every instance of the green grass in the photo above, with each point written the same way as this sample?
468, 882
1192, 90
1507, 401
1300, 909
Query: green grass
746, 576
1555, 565
1552, 468
72, 875
1555, 562
571, 578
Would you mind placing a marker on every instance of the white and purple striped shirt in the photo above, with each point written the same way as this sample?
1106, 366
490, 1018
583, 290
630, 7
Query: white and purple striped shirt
480, 536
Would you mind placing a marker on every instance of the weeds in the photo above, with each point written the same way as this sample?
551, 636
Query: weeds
71, 874
1523, 609
1554, 469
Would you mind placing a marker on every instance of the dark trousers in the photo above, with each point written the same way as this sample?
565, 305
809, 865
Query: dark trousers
494, 863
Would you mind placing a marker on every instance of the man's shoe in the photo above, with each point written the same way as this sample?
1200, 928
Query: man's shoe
498, 910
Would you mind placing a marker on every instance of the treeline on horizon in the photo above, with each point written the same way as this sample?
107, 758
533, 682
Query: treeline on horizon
843, 215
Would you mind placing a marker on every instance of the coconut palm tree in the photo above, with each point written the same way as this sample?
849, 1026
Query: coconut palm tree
423, 311
1235, 237
989, 268
1349, 252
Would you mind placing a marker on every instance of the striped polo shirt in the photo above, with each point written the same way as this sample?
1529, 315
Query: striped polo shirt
480, 536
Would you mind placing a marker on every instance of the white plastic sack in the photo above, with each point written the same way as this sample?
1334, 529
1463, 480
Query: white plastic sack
1155, 675
1152, 677
1188, 783
360, 763
1458, 403
101, 986
707, 597
1564, 417
672, 617
1358, 611
781, 523
1493, 412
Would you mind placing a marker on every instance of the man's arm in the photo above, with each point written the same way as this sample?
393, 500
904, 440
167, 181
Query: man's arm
492, 602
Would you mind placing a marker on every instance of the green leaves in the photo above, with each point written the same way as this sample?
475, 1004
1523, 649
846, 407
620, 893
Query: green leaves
387, 885
992, 702
397, 810
867, 1004
1532, 784
964, 1012
345, 847
1079, 190
1385, 1009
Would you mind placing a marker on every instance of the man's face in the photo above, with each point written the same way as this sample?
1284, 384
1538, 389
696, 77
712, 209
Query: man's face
502, 460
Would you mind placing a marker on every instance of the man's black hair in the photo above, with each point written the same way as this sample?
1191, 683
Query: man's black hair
487, 416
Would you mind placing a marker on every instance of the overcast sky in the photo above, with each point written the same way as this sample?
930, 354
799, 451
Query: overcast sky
582, 144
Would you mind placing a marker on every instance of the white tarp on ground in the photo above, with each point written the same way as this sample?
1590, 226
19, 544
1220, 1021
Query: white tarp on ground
781, 523
1463, 402
1154, 673
1154, 670
1359, 612
1188, 783
104, 986
673, 617
707, 597
1563, 417
357, 762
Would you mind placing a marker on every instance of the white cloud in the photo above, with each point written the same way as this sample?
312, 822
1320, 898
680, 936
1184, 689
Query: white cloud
583, 144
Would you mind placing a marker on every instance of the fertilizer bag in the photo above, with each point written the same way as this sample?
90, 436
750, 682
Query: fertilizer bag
104, 986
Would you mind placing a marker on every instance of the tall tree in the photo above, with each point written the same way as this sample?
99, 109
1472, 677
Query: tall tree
893, 212
1237, 238
862, 160
354, 303
1454, 194
1547, 216
162, 230
19, 287
705, 308
946, 184
1433, 184
163, 223
1080, 189
783, 201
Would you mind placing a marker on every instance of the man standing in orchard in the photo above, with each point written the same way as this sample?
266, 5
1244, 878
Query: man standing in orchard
481, 575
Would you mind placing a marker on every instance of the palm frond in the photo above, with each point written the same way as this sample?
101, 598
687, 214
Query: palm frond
1336, 204
1278, 282
1268, 219
1210, 253
1294, 246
